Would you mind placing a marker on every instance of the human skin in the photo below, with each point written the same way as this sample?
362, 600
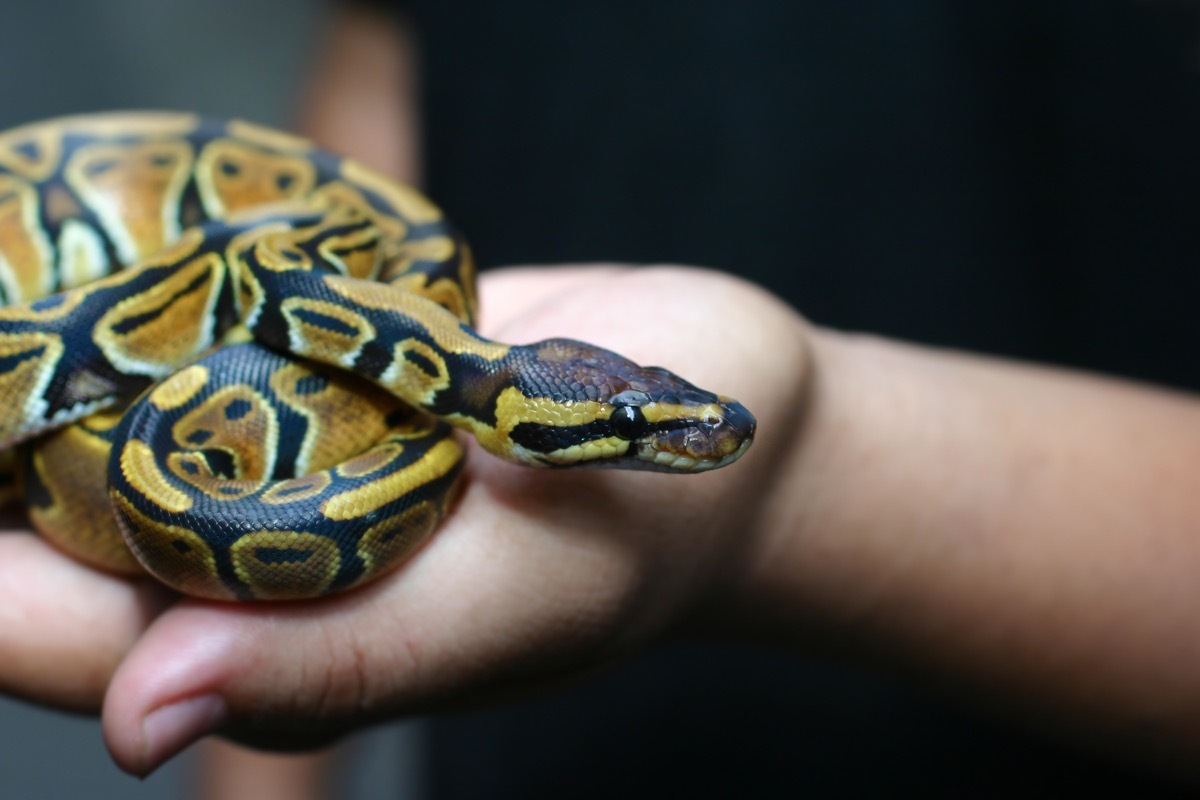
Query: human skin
1024, 537
506, 595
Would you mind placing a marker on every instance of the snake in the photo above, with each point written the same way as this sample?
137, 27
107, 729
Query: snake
235, 361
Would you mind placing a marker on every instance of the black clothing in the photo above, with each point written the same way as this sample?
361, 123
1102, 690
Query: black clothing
1013, 177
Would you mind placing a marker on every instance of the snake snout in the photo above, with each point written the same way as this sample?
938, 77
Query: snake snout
738, 419
719, 433
726, 435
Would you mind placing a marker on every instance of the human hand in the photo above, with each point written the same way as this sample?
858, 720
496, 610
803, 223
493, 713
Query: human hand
536, 577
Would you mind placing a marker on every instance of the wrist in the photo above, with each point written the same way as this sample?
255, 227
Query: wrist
824, 558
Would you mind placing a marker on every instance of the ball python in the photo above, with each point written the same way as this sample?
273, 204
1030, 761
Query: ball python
233, 360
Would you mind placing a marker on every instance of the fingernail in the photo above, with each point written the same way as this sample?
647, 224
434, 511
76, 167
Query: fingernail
169, 729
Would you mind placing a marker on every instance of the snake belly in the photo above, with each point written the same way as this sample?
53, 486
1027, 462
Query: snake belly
232, 359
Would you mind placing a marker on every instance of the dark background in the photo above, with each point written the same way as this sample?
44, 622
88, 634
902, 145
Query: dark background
1014, 177
1011, 177
1017, 178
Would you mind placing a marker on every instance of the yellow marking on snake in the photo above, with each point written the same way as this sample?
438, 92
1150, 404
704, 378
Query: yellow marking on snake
134, 190
655, 412
442, 325
280, 565
408, 202
140, 468
82, 257
238, 421
334, 401
157, 330
71, 464
232, 176
611, 447
31, 152
325, 331
411, 376
159, 124
180, 388
31, 355
373, 460
373, 496
24, 246
268, 138
294, 490
396, 536
179, 557
444, 292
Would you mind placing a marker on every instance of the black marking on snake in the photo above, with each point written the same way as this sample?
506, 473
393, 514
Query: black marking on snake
343, 253
10, 362
294, 489
284, 181
100, 167
377, 354
163, 159
281, 555
319, 320
28, 148
37, 494
541, 438
189, 467
181, 546
191, 210
47, 303
134, 322
236, 409
311, 384
422, 363
472, 333
474, 391
199, 437
228, 168
398, 416
220, 463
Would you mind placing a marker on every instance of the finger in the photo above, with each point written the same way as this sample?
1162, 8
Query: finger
520, 292
64, 627
537, 577
495, 600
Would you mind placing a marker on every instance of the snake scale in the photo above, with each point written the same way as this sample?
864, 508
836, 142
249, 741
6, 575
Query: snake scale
233, 360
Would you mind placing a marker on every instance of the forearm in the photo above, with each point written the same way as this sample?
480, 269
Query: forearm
1031, 533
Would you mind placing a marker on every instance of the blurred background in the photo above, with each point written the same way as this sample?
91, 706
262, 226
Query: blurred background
226, 58
1013, 177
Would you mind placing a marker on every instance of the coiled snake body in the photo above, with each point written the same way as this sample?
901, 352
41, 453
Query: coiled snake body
298, 330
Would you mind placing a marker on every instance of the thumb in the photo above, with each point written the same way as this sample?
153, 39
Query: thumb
496, 601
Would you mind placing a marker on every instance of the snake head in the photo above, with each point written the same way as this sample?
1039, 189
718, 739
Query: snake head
582, 405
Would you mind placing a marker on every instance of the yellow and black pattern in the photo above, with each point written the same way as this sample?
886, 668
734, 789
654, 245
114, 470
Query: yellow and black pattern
244, 434
213, 268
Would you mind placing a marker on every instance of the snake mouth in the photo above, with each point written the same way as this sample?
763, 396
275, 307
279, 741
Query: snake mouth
701, 445
681, 462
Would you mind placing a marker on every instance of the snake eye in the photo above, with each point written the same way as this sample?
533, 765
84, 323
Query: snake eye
628, 422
